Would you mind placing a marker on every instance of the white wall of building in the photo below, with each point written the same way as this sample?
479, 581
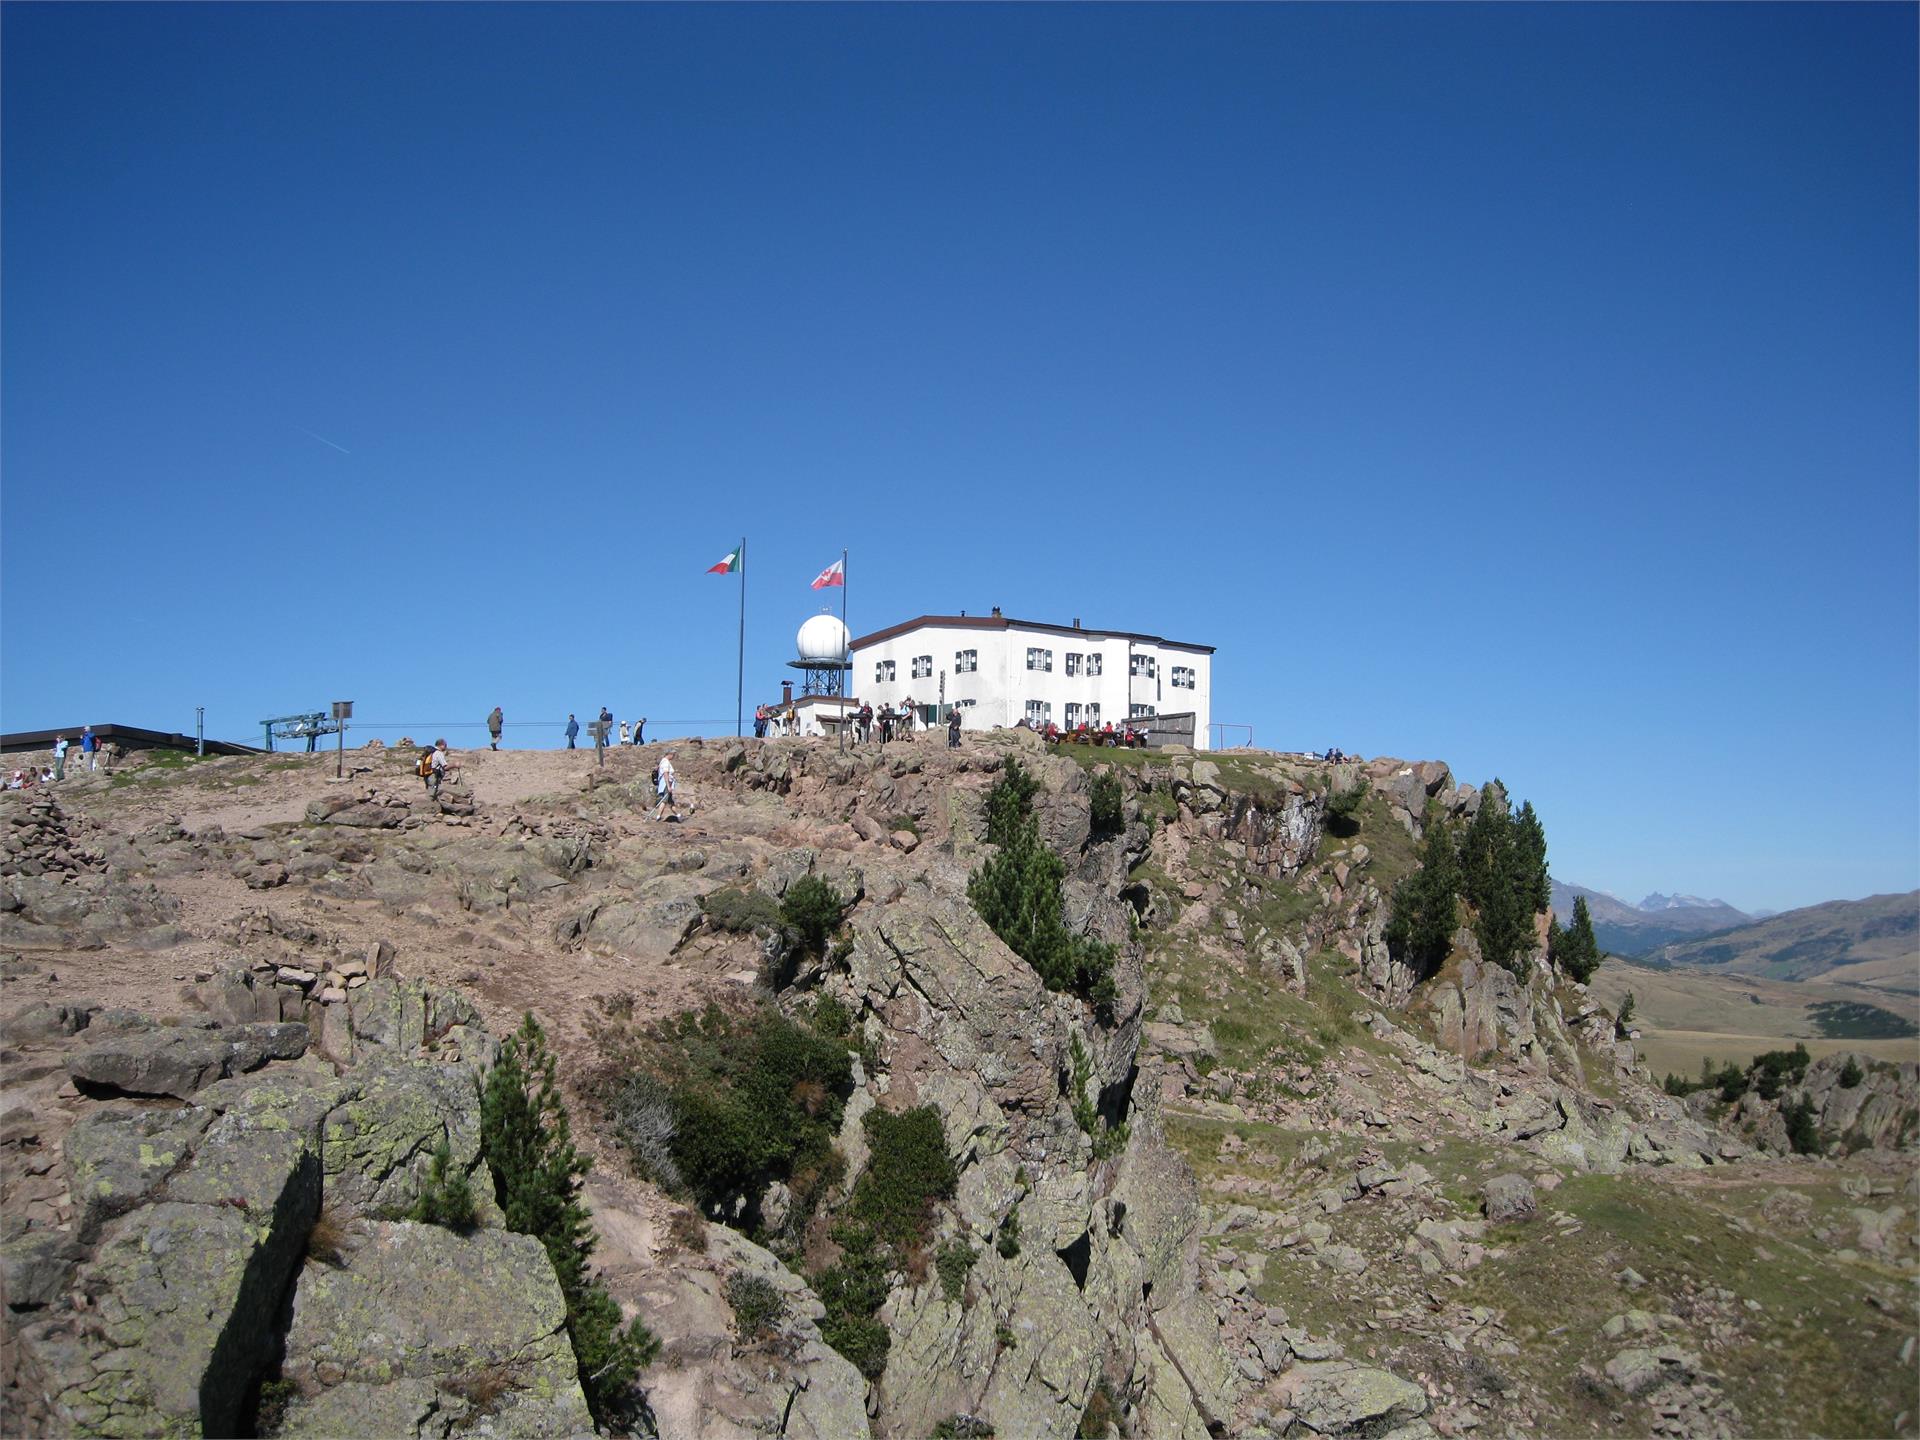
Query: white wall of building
1002, 683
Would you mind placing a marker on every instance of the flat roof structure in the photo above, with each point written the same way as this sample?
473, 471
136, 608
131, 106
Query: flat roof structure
997, 621
127, 737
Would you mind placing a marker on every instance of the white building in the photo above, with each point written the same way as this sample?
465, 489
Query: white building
1001, 671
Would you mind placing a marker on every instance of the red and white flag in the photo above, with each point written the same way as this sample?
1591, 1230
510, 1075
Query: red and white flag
834, 574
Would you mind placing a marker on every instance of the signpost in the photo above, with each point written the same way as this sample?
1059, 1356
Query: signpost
342, 712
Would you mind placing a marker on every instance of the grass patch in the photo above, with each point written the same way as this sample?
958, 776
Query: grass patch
1814, 1359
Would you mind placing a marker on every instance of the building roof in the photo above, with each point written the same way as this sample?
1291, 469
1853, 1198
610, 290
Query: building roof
15, 742
1001, 622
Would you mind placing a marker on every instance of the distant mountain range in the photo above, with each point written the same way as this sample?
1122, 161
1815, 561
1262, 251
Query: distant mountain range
1635, 930
1873, 942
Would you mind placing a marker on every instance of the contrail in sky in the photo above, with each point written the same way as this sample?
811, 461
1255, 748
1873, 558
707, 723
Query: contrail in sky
323, 439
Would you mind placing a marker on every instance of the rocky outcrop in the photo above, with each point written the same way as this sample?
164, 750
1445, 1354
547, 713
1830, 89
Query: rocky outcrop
213, 1170
471, 1330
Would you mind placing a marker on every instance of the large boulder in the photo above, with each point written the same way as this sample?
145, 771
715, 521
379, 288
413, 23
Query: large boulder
1341, 1399
173, 1062
419, 1322
186, 1294
1508, 1198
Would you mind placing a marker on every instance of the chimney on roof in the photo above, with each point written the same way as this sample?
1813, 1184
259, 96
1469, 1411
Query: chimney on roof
996, 612
1076, 622
786, 692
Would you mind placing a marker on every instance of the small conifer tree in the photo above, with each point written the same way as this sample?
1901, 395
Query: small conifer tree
528, 1144
1623, 1022
1018, 893
1424, 904
1579, 952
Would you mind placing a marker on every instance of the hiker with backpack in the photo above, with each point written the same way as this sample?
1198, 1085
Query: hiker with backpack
437, 766
495, 722
423, 767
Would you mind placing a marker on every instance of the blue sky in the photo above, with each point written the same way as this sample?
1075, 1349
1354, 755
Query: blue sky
1528, 387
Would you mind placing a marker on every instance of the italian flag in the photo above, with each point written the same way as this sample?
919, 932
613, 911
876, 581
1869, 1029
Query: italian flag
729, 563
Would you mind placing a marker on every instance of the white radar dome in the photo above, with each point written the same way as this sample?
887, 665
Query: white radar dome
823, 639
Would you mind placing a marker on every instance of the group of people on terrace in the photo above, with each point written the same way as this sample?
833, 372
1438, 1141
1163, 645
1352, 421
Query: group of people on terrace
1085, 734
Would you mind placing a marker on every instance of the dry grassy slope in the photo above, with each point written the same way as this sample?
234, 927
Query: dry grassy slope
1796, 1311
1685, 1016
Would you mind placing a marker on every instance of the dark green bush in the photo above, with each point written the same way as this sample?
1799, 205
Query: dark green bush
1623, 1022
1009, 802
528, 1144
740, 910
852, 1291
884, 1221
811, 911
1007, 1242
962, 1427
953, 1261
1109, 816
906, 1172
447, 1198
1574, 951
1107, 1142
752, 1100
1344, 807
1421, 925
1018, 893
1851, 1075
1802, 1133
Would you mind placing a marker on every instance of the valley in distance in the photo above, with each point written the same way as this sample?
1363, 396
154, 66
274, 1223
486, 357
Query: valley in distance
1713, 985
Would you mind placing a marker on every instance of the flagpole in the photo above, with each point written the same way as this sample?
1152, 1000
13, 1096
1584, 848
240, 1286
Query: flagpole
740, 669
846, 675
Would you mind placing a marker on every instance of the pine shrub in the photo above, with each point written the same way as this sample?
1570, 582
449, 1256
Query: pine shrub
753, 1100
952, 1262
1421, 925
1802, 1133
528, 1143
447, 1197
1851, 1074
1009, 802
1018, 892
1342, 816
1575, 950
1109, 816
811, 911
1107, 1141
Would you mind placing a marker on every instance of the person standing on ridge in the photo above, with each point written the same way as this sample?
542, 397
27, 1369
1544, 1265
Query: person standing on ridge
495, 722
664, 787
623, 734
436, 768
953, 728
573, 731
90, 748
60, 757
599, 730
640, 731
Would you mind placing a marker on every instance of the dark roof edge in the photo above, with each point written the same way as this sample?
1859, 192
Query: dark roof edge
13, 741
1001, 622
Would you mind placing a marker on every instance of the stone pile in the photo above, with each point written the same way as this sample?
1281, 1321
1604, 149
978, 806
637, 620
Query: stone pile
40, 838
